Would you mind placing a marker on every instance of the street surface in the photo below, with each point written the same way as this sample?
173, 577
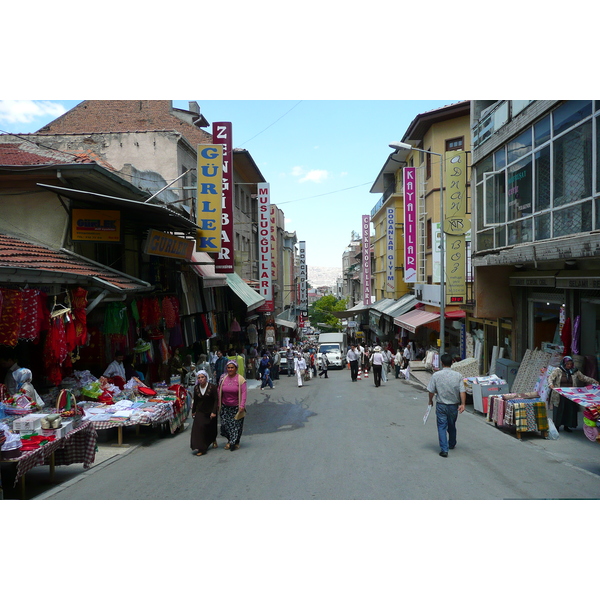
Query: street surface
337, 440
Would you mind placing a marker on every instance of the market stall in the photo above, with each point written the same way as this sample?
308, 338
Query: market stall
76, 446
523, 412
589, 399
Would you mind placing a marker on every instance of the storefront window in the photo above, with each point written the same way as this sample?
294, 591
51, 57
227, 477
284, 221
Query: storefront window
519, 146
500, 159
541, 131
542, 227
574, 219
573, 165
520, 232
519, 189
569, 113
546, 321
542, 179
485, 239
501, 236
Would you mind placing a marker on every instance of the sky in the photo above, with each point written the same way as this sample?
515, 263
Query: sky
320, 157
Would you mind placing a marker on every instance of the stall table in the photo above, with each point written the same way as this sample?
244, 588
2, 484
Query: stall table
523, 413
588, 398
77, 446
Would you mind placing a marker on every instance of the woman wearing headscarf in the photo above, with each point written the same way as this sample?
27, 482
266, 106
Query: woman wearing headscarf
232, 400
23, 378
564, 411
204, 412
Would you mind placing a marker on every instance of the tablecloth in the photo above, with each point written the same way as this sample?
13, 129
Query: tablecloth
77, 446
526, 414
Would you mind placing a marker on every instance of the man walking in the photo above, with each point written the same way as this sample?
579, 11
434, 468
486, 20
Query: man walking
449, 387
276, 362
352, 357
324, 364
377, 362
289, 357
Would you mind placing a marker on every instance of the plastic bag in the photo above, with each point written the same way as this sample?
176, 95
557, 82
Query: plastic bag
552, 431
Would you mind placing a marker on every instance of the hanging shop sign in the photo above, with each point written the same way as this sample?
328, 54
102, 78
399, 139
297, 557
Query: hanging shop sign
264, 248
390, 250
366, 259
222, 134
303, 276
171, 246
410, 224
210, 184
274, 242
456, 225
95, 225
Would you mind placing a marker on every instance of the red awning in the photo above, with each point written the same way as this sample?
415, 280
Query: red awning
455, 314
415, 318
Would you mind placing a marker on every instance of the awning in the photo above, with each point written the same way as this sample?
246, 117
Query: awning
455, 314
378, 308
343, 314
402, 306
206, 270
23, 262
284, 319
415, 318
244, 292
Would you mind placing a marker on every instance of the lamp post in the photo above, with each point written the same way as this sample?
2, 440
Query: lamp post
402, 146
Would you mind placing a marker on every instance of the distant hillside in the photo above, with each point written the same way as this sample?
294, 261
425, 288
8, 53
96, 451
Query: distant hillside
318, 276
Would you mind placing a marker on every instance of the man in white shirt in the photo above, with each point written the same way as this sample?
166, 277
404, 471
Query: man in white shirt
377, 362
352, 357
116, 367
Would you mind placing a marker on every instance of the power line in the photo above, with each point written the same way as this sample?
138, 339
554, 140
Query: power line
326, 194
273, 123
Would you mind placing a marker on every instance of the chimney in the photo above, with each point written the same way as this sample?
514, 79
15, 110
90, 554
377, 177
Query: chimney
195, 107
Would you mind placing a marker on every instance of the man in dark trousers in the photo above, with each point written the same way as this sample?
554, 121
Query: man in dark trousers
352, 357
449, 387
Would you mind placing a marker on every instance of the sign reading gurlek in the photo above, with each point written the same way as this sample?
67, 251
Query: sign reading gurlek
210, 182
410, 224
224, 261
366, 259
264, 248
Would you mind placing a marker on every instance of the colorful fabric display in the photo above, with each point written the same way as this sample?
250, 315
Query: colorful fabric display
12, 315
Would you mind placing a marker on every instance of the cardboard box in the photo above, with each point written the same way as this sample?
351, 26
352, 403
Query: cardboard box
28, 423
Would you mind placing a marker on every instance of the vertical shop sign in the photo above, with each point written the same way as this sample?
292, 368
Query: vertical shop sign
390, 250
366, 259
410, 224
222, 134
274, 244
264, 248
303, 277
456, 225
210, 186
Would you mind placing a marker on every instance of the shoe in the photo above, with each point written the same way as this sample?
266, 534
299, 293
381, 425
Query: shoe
215, 445
444, 454
199, 453
452, 447
568, 429
234, 447
227, 446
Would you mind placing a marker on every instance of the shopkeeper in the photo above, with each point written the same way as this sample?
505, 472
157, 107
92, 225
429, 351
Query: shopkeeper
116, 367
564, 411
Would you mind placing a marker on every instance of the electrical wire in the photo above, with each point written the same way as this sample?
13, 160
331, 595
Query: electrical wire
273, 123
326, 194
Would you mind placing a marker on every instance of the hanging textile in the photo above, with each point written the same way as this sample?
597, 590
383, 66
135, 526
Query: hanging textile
575, 340
78, 305
12, 314
565, 336
116, 320
168, 308
33, 315
55, 350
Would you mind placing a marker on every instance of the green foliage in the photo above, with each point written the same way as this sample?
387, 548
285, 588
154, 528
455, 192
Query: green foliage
321, 312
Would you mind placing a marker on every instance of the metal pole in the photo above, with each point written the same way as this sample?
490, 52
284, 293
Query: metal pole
442, 264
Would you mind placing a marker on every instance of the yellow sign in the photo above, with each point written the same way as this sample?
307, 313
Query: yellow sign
455, 225
210, 197
89, 225
171, 246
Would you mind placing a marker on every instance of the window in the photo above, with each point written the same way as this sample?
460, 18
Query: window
429, 239
428, 165
455, 144
573, 165
569, 113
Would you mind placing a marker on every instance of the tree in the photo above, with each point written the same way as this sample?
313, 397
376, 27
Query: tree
321, 313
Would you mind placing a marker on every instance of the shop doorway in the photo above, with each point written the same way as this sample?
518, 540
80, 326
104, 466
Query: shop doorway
545, 322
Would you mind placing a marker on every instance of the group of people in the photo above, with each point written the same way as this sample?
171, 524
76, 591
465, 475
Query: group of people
380, 360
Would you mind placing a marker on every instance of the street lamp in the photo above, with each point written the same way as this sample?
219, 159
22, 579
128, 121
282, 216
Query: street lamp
402, 146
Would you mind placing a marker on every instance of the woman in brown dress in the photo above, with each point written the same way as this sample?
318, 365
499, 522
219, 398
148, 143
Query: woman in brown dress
204, 412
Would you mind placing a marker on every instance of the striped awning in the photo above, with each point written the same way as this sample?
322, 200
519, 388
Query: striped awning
415, 318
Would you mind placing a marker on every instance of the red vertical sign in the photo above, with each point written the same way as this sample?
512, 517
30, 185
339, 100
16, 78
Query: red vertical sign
222, 134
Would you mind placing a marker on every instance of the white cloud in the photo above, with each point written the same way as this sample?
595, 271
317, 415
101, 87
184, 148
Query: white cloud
314, 175
26, 111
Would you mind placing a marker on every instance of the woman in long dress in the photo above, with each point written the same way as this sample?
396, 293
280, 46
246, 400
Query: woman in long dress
232, 398
300, 368
204, 412
564, 411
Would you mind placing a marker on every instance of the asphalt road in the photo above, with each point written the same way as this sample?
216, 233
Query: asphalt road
337, 440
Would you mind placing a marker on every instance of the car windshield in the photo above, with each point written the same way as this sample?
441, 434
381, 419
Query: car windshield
329, 348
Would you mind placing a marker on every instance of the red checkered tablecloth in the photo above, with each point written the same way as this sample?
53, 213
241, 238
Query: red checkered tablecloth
78, 446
